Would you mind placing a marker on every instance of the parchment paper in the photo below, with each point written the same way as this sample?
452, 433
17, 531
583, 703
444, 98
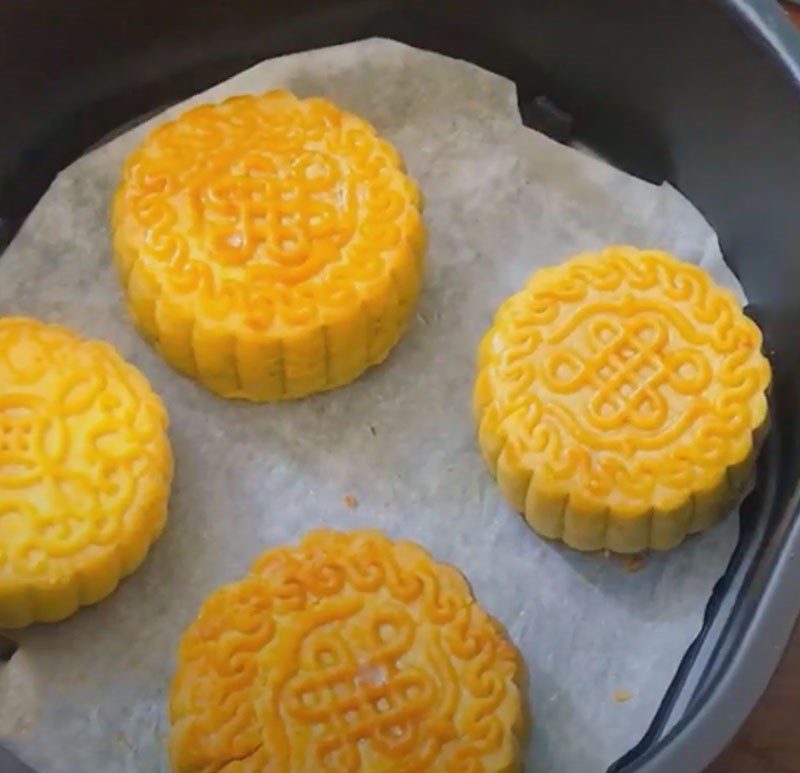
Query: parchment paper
88, 695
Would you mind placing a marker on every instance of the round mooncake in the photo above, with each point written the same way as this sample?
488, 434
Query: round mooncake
620, 399
347, 653
270, 246
85, 471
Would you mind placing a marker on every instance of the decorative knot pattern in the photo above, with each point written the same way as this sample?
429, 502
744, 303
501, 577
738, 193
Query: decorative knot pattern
625, 379
270, 246
266, 210
346, 653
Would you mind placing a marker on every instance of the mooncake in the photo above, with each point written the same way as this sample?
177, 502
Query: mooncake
85, 471
270, 246
349, 652
620, 400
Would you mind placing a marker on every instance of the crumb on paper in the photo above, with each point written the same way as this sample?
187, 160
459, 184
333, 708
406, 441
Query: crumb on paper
122, 740
622, 696
351, 502
633, 563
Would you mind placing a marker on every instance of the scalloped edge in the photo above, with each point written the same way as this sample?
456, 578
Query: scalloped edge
594, 527
274, 368
559, 518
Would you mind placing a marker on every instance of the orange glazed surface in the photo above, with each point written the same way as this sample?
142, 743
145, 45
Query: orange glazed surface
619, 399
270, 246
85, 471
348, 652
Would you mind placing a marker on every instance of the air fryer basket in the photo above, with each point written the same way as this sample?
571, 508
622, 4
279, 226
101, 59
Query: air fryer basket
702, 93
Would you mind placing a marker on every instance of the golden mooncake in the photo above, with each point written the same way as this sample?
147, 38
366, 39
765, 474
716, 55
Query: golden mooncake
348, 653
270, 246
620, 399
85, 471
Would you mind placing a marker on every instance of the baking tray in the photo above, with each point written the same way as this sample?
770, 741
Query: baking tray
704, 94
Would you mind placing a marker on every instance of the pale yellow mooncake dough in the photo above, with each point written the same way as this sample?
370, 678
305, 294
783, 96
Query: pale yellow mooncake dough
620, 399
270, 246
348, 652
85, 471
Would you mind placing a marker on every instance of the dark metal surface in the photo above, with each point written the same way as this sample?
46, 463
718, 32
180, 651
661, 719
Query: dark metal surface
705, 94
10, 764
7, 648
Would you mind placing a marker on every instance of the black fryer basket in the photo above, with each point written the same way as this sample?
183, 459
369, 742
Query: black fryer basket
702, 93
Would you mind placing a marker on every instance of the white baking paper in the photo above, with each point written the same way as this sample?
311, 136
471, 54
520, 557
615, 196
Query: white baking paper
88, 695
